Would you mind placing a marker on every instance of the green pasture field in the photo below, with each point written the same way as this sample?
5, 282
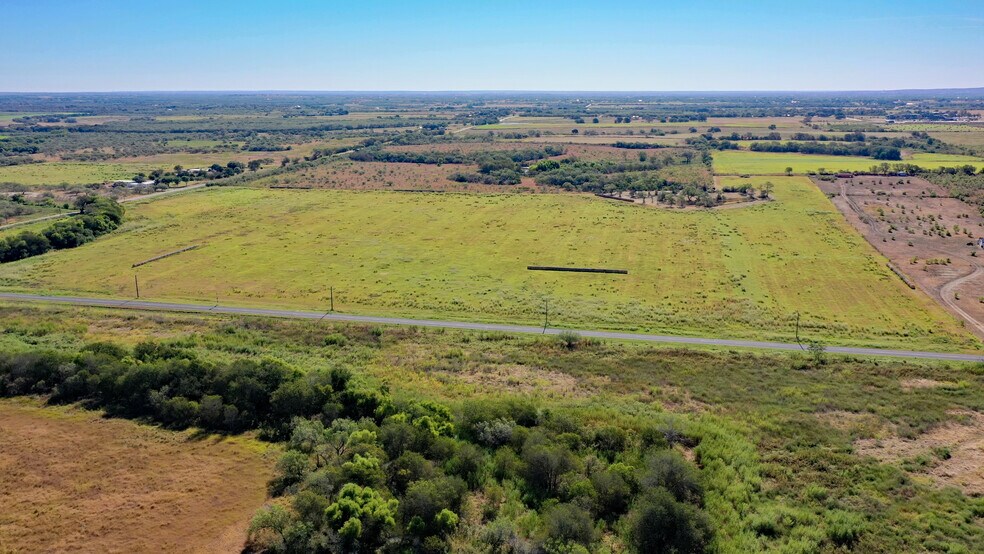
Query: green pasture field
949, 127
72, 173
961, 138
731, 273
740, 162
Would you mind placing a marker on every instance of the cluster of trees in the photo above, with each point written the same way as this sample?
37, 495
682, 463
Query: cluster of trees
961, 182
98, 215
216, 171
814, 147
18, 205
487, 160
503, 167
637, 145
604, 176
846, 137
364, 472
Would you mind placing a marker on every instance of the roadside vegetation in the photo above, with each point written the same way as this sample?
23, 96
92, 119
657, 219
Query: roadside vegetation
492, 441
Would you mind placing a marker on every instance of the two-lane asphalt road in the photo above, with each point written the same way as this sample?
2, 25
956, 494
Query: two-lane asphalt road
297, 314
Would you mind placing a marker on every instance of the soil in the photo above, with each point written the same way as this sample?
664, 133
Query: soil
74, 481
963, 441
930, 237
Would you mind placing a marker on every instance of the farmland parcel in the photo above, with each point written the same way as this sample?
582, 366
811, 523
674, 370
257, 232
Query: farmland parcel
740, 273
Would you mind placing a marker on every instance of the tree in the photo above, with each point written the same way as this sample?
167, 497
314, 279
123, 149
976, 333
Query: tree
362, 517
658, 523
766, 189
789, 171
566, 523
667, 470
254, 165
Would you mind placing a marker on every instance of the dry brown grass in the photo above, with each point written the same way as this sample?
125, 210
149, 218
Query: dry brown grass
962, 440
74, 481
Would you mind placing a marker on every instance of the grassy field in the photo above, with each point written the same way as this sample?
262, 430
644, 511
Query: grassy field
741, 272
733, 162
74, 481
57, 173
782, 448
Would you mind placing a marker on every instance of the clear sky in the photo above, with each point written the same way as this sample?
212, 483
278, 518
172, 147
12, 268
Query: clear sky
652, 45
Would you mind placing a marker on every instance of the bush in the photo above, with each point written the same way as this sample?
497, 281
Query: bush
669, 471
844, 528
569, 523
569, 339
659, 523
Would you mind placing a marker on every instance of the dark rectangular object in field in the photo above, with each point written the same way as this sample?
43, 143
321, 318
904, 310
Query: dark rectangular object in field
576, 269
168, 255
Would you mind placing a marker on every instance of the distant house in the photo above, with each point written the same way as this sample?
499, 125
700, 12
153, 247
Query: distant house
131, 183
845, 175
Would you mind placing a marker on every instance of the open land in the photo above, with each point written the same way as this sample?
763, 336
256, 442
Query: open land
76, 482
376, 250
818, 450
785, 438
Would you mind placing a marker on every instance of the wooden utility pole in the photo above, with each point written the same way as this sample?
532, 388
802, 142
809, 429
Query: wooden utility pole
331, 292
136, 284
546, 313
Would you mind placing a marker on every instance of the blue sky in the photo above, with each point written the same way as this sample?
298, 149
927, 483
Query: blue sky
107, 45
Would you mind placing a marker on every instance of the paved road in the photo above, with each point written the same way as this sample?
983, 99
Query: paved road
150, 196
36, 220
293, 314
167, 192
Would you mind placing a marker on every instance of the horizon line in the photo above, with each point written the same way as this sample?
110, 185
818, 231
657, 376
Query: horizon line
493, 91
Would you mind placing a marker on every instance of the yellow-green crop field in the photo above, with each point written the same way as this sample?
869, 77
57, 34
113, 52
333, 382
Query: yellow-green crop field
740, 162
738, 272
72, 173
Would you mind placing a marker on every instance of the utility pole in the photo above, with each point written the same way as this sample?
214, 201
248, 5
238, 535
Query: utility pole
546, 313
331, 292
798, 331
136, 284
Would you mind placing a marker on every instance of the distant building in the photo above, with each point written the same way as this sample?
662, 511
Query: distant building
845, 175
131, 183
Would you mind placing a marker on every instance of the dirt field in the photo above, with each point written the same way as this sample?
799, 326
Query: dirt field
349, 175
928, 236
75, 482
949, 454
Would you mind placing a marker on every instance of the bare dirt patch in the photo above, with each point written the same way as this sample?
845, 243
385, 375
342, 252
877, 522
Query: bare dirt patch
914, 384
526, 380
951, 454
928, 236
74, 481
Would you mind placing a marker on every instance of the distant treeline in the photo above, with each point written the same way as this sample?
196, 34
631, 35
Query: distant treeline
637, 145
364, 472
98, 215
496, 157
876, 152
